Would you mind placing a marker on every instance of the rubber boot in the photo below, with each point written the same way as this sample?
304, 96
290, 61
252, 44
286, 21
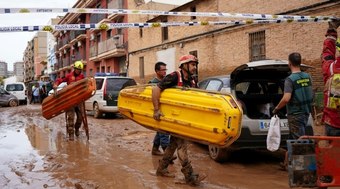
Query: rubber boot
155, 151
191, 178
174, 157
162, 169
76, 131
70, 132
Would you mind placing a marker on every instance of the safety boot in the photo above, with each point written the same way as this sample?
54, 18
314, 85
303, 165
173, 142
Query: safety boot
71, 137
77, 132
191, 178
162, 169
155, 151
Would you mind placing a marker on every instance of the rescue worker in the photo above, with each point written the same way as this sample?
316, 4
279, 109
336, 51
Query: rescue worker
76, 75
331, 117
183, 77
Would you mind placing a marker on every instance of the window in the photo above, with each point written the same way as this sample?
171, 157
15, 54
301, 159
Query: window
257, 46
98, 69
140, 32
165, 31
103, 69
141, 67
108, 34
214, 85
194, 53
193, 9
109, 69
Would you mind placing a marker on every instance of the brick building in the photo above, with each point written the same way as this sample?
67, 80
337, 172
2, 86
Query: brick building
221, 48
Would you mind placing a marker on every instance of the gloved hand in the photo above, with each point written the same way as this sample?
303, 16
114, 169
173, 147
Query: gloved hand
275, 111
157, 115
55, 92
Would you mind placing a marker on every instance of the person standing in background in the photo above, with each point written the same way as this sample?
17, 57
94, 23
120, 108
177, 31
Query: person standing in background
161, 139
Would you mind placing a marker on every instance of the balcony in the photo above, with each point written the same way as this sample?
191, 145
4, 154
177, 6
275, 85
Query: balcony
112, 47
77, 35
115, 4
96, 18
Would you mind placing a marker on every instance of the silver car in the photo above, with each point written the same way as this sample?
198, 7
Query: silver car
258, 86
8, 99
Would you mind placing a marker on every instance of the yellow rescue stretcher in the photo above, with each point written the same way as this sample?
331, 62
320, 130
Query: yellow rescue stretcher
193, 114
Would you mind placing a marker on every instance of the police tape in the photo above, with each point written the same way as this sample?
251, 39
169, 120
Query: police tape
157, 12
107, 26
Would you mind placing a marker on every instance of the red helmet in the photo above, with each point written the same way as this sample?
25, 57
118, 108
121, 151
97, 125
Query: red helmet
188, 58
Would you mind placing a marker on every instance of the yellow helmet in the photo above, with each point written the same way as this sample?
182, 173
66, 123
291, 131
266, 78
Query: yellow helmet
78, 65
338, 44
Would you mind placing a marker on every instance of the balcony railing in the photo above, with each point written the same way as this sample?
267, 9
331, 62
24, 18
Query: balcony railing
96, 18
93, 51
115, 4
75, 34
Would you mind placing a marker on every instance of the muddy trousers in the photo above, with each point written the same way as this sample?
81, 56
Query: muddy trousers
182, 152
71, 127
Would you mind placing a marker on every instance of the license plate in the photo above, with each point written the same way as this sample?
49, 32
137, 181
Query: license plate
264, 125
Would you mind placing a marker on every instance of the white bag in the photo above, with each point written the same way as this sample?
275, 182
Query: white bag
274, 134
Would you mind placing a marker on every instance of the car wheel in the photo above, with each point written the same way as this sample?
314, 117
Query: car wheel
97, 113
219, 154
12, 103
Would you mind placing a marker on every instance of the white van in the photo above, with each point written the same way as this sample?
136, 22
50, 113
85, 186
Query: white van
18, 89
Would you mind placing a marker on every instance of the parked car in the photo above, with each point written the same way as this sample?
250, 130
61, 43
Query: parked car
106, 97
258, 87
8, 99
18, 89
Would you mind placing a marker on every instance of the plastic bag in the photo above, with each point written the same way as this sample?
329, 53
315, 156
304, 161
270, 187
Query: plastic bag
274, 134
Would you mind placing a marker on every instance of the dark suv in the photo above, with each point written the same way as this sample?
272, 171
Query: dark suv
258, 86
105, 99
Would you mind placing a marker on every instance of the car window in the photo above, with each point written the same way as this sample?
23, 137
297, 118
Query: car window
242, 87
203, 84
99, 83
226, 82
14, 87
117, 84
214, 85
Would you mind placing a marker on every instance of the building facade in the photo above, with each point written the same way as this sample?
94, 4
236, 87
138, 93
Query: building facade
222, 48
18, 71
3, 69
100, 50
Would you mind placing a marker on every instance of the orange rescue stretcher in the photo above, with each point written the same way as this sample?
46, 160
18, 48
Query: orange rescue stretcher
68, 97
314, 161
197, 115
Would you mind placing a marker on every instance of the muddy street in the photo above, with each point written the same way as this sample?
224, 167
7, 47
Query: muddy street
34, 153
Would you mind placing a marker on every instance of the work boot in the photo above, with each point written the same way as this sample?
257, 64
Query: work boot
334, 24
173, 157
155, 151
162, 169
71, 137
191, 178
77, 132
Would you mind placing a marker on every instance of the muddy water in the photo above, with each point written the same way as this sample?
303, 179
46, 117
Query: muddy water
35, 154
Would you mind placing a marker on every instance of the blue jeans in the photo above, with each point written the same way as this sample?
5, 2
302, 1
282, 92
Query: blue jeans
161, 139
332, 131
297, 125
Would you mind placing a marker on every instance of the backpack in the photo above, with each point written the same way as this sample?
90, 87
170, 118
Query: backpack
333, 89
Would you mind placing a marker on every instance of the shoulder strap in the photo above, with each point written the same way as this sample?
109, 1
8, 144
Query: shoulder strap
179, 81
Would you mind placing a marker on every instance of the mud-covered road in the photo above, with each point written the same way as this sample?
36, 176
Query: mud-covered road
35, 154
